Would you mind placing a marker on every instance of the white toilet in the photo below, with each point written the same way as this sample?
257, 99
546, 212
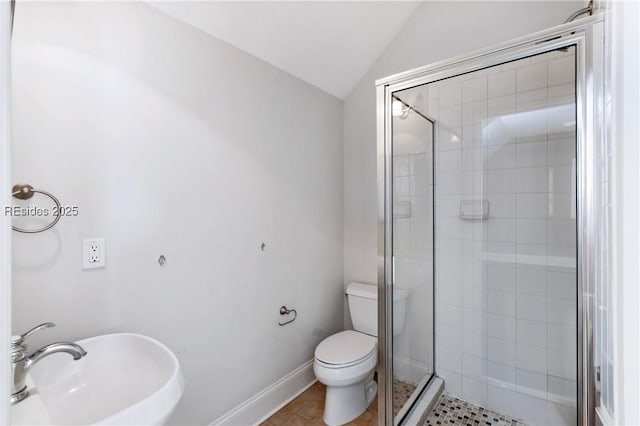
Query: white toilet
345, 362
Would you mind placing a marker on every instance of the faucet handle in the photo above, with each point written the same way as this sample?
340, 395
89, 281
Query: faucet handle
18, 340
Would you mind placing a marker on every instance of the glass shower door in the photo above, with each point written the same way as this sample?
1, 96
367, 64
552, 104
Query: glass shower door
503, 198
413, 247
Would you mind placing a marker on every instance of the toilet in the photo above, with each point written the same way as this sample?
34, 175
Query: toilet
346, 361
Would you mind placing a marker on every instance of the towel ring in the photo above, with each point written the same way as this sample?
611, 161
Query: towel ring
285, 311
24, 192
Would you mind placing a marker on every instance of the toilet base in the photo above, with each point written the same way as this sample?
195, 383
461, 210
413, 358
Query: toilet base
345, 403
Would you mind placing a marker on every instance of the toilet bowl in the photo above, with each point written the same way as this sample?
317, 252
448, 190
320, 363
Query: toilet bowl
345, 362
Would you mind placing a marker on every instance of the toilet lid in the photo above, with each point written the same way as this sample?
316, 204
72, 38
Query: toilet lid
346, 347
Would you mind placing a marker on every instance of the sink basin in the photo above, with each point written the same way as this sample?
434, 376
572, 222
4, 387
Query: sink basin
125, 379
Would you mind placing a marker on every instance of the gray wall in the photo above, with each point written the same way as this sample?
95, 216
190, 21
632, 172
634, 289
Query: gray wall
173, 142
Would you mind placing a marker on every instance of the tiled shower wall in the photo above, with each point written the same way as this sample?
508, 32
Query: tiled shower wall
506, 285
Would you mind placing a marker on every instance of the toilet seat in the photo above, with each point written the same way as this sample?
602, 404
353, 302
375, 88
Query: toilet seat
346, 349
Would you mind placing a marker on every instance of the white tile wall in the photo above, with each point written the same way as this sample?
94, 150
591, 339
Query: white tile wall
502, 83
505, 295
530, 77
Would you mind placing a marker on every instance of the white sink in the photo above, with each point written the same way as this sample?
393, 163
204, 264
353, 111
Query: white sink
125, 379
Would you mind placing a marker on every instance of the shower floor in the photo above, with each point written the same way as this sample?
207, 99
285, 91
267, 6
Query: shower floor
306, 409
450, 410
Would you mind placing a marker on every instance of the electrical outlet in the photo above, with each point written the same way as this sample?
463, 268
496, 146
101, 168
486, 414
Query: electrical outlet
93, 253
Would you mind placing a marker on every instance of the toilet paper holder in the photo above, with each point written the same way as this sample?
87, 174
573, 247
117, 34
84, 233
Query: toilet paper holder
285, 311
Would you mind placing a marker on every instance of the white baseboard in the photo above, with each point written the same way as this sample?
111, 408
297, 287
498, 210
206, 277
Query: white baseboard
268, 401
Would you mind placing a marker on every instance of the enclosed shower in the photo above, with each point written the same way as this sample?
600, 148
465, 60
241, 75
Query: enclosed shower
485, 177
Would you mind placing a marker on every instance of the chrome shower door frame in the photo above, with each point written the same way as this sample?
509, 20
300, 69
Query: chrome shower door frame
586, 35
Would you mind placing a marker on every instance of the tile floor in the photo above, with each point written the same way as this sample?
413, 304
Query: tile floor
450, 410
306, 410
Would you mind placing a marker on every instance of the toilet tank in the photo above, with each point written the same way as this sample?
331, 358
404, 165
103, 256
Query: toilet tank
363, 307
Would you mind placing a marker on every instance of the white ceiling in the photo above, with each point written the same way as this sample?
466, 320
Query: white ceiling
330, 44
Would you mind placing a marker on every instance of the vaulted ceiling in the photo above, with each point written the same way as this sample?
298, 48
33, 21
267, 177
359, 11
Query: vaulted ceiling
329, 44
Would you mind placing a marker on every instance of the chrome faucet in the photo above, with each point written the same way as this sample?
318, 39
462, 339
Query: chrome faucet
21, 363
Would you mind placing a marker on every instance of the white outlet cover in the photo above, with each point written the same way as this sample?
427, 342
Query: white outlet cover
94, 254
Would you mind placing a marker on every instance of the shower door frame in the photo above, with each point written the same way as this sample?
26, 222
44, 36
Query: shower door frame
587, 37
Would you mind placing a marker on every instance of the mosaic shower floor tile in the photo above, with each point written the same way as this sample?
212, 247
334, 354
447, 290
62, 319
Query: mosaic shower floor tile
450, 410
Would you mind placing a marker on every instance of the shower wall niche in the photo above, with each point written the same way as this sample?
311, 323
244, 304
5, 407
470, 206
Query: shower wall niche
505, 233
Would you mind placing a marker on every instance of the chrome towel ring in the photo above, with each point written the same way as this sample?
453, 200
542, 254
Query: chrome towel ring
24, 192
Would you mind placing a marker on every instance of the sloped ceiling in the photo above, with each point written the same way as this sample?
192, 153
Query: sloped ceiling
329, 44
